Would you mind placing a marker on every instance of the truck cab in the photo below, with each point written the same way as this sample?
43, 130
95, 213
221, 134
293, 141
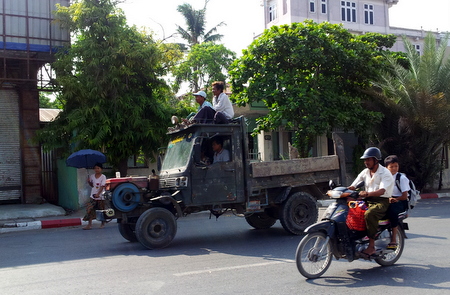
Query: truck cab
189, 167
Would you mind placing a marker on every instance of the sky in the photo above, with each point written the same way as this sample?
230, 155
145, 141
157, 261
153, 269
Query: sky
244, 18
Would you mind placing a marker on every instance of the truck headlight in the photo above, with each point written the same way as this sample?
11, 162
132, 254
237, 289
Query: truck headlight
181, 181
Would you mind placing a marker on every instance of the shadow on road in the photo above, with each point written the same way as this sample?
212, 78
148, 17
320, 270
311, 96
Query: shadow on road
400, 275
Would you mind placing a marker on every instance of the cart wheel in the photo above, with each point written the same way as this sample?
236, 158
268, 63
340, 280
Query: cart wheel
156, 228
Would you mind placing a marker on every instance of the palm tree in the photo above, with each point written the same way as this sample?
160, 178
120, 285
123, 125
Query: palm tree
416, 106
195, 21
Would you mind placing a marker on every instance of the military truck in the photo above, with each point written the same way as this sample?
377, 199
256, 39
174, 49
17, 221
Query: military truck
189, 181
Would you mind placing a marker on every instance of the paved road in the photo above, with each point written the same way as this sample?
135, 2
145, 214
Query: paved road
216, 257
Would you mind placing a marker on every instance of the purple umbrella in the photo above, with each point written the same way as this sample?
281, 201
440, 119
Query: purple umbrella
85, 159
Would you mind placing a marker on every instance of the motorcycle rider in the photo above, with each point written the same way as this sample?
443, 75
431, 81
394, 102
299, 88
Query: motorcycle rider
379, 184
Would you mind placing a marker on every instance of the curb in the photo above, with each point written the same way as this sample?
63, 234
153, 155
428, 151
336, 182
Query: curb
21, 226
434, 195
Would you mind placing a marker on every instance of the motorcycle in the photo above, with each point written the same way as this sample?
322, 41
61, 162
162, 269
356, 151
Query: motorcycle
332, 237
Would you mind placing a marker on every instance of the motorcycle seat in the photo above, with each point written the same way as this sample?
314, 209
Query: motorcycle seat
383, 222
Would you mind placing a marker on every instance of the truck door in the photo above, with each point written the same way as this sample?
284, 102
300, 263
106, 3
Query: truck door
214, 182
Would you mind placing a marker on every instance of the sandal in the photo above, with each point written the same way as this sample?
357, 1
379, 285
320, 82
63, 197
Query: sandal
392, 246
365, 255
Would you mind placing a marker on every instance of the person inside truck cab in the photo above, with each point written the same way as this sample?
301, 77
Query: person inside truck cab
220, 154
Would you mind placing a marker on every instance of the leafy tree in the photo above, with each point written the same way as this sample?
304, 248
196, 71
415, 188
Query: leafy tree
195, 22
205, 63
312, 78
416, 100
114, 98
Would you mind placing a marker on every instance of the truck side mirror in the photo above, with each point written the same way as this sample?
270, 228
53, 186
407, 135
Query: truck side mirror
159, 162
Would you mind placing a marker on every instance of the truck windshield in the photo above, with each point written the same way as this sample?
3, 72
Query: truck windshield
178, 152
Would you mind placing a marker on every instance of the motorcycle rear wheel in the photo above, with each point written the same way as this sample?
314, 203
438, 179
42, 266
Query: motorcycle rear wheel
392, 257
313, 256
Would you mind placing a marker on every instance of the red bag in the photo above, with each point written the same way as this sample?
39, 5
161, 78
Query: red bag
355, 218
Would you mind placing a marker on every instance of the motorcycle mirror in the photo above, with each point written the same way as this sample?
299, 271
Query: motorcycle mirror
360, 184
331, 184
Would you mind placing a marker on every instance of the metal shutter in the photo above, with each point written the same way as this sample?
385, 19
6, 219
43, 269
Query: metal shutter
10, 160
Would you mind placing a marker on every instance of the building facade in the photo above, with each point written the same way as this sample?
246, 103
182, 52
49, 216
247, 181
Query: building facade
28, 39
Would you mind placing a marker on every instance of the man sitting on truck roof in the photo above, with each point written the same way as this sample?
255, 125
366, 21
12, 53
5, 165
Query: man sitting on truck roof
220, 154
221, 111
200, 98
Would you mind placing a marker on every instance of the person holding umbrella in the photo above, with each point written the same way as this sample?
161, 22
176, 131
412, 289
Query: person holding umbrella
97, 181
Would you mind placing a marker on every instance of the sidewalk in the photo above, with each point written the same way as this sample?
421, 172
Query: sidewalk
19, 217
27, 216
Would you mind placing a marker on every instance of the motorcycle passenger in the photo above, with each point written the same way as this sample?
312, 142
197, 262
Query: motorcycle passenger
399, 200
378, 184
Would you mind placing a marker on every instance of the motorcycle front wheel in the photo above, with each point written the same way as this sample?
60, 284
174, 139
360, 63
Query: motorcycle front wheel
313, 256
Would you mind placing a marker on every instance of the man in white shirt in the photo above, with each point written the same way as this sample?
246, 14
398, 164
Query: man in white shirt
379, 184
221, 104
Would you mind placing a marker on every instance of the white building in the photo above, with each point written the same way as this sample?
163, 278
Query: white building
358, 16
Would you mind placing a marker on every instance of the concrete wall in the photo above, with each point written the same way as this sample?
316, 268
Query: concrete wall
67, 186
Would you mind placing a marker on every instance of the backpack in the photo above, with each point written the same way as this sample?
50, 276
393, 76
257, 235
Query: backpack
413, 193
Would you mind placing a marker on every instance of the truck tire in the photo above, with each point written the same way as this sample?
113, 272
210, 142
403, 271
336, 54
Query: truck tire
298, 212
127, 232
260, 220
156, 228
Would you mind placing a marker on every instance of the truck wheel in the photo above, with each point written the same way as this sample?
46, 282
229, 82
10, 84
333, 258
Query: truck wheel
260, 220
156, 228
298, 212
127, 232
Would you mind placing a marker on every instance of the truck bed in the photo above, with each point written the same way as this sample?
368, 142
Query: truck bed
295, 166
294, 173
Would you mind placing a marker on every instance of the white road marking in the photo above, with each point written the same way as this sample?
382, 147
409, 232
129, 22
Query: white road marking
210, 270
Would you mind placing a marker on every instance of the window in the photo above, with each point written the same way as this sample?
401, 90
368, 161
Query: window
417, 48
348, 11
323, 6
368, 14
272, 11
216, 149
312, 5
